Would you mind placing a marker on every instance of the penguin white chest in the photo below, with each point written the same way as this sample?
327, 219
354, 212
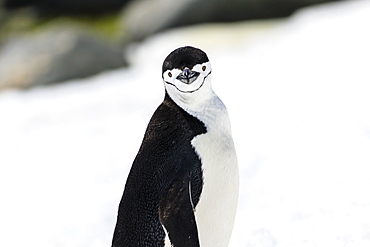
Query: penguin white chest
215, 212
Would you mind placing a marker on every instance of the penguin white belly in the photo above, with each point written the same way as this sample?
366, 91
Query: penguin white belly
215, 212
216, 209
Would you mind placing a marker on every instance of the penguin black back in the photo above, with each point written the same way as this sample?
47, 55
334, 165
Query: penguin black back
157, 188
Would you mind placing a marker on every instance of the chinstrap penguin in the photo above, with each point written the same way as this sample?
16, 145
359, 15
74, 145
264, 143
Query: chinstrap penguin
182, 189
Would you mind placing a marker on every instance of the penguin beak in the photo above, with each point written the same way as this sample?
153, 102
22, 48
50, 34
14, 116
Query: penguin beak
188, 76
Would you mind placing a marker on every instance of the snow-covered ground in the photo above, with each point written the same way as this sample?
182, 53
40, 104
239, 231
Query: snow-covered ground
299, 101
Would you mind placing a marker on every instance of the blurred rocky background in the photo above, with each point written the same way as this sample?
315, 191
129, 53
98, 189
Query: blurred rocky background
49, 41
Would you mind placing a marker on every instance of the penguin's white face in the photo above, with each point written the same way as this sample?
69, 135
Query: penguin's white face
187, 80
186, 74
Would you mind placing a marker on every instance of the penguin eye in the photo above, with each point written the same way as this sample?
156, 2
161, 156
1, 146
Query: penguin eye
204, 68
169, 74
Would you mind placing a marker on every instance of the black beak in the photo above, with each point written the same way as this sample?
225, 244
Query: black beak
188, 76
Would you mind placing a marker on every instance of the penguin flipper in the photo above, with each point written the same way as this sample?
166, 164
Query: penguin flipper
176, 213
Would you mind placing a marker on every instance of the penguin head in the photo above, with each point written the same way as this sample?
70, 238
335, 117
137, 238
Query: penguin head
186, 73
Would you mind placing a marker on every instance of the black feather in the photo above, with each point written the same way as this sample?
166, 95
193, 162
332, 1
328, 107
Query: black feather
157, 188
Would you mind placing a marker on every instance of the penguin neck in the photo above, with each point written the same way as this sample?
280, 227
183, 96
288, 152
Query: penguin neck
206, 107
192, 102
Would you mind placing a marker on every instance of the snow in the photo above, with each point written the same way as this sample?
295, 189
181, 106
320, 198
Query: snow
298, 97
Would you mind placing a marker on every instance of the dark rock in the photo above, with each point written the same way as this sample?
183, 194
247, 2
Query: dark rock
17, 3
48, 7
55, 56
144, 17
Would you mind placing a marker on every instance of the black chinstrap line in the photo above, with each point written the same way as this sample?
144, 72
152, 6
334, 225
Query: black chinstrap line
192, 90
